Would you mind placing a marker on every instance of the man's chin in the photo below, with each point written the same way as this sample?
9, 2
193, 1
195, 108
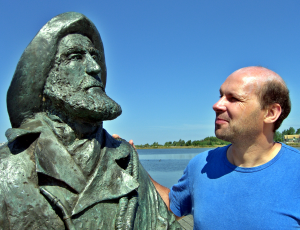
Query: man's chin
221, 135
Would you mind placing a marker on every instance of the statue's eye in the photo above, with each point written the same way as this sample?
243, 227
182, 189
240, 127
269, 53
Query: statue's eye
95, 56
75, 56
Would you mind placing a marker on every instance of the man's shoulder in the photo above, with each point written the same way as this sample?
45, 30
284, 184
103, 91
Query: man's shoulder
291, 149
289, 154
208, 155
211, 153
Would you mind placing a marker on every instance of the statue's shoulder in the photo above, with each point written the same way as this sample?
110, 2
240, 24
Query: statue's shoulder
17, 167
17, 154
125, 144
4, 151
19, 141
116, 143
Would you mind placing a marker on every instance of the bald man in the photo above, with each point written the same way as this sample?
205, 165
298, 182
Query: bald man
253, 183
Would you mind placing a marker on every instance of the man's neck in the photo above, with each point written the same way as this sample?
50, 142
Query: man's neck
252, 154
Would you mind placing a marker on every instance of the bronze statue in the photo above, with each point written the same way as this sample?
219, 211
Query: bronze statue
60, 169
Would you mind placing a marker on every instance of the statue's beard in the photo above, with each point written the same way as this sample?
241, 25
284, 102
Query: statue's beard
92, 106
84, 104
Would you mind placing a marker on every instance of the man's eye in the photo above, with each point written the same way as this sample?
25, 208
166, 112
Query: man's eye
232, 99
75, 57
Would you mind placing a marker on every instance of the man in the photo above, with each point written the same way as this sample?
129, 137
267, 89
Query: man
60, 169
253, 183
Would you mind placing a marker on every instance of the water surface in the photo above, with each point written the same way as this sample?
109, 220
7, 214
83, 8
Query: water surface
166, 165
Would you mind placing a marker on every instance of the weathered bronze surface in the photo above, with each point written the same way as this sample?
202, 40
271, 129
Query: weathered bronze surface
60, 169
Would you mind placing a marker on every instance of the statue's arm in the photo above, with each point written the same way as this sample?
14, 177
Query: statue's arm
164, 193
162, 190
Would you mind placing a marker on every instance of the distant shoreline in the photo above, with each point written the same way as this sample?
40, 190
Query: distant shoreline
199, 147
182, 147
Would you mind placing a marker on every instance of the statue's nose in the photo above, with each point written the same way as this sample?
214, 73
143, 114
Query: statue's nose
92, 67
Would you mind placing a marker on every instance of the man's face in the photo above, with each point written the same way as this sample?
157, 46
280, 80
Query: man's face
74, 85
238, 112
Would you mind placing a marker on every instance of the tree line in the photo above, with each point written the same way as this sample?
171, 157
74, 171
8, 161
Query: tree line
279, 136
214, 141
208, 141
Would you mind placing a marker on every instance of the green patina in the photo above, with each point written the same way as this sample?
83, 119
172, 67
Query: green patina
60, 169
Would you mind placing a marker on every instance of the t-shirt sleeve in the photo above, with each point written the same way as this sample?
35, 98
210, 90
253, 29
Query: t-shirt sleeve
180, 196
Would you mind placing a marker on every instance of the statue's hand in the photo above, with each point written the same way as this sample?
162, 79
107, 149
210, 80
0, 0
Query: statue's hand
116, 136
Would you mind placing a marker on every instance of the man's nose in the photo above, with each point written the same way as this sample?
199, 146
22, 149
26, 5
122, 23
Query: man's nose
220, 105
92, 67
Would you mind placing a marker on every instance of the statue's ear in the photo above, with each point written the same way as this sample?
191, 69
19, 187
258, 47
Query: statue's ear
272, 113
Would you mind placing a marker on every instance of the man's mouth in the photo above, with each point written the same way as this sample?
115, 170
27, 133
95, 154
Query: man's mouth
221, 121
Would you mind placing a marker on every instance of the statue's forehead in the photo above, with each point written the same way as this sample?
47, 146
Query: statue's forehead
73, 41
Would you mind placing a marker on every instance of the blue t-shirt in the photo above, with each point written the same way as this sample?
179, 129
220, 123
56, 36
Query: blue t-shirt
221, 195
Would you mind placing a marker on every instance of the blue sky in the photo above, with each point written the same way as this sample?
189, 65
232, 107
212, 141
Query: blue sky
166, 59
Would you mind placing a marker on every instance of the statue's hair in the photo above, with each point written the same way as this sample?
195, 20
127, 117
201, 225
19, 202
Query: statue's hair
24, 96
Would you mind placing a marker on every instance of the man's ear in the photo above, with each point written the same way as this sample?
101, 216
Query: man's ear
272, 113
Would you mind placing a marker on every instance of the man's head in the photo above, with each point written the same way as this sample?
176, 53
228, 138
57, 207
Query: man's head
253, 100
43, 58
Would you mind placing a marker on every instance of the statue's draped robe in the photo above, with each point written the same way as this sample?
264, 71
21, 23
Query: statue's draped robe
35, 157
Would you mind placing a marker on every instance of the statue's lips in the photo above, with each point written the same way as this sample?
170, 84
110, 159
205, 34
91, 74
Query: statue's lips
94, 85
95, 90
91, 82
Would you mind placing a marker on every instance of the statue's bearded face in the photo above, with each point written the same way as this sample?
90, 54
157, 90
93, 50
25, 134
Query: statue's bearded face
74, 85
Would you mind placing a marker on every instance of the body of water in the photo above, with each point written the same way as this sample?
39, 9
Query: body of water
166, 165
